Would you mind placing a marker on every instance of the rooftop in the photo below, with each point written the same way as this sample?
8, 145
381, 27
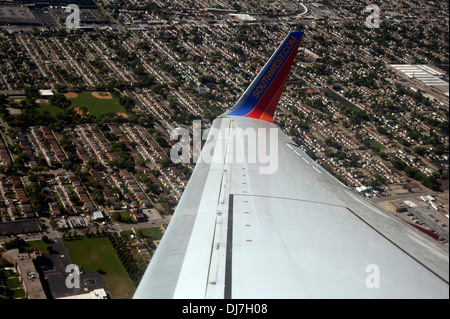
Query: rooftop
46, 93
95, 294
16, 15
425, 74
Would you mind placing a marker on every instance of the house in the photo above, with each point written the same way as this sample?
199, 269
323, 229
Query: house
137, 215
97, 216
88, 207
313, 92
54, 209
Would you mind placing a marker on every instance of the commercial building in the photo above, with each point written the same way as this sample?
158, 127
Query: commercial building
310, 54
13, 15
28, 274
45, 93
95, 294
425, 74
53, 268
398, 206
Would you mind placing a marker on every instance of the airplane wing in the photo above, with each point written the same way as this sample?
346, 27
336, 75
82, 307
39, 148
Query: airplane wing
260, 219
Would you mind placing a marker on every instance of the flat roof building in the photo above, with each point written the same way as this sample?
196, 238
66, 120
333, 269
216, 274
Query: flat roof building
28, 274
97, 216
45, 93
95, 294
53, 267
398, 206
425, 74
17, 16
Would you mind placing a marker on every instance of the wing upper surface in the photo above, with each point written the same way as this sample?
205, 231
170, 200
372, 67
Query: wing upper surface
294, 233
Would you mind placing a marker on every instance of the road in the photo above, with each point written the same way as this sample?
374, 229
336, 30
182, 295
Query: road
430, 221
398, 197
148, 224
109, 226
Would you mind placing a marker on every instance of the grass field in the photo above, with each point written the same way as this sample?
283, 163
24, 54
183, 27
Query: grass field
50, 108
37, 245
12, 283
95, 253
373, 145
123, 216
153, 233
95, 105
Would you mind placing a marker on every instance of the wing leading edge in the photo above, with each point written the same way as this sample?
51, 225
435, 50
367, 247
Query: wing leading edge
293, 231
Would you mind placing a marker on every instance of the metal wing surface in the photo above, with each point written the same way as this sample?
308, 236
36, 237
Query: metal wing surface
260, 219
297, 233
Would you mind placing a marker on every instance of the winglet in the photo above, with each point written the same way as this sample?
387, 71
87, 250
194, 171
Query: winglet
261, 98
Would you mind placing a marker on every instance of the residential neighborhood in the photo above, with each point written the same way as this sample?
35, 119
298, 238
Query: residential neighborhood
86, 113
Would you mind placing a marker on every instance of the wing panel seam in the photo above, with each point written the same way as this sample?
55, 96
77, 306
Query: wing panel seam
229, 251
400, 248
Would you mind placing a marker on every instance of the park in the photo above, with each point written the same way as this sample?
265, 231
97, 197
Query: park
88, 103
